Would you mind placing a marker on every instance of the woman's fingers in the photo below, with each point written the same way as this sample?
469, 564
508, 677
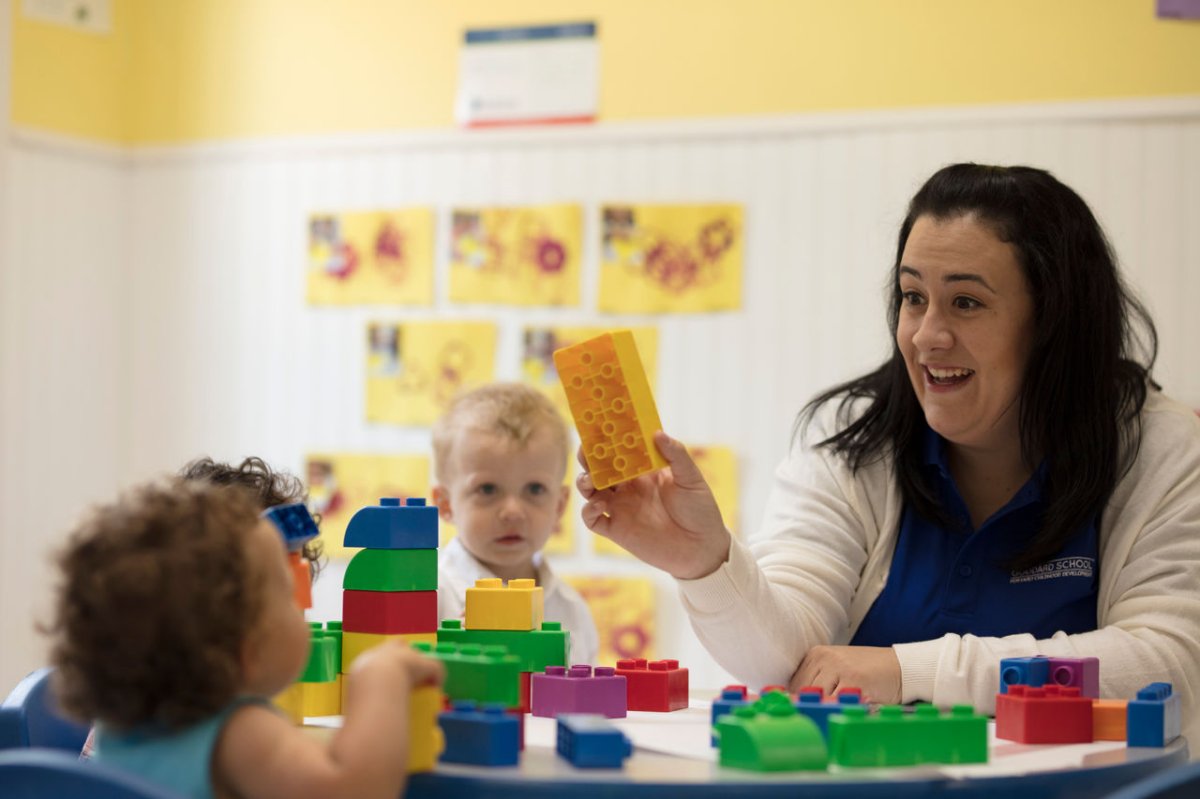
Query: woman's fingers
683, 469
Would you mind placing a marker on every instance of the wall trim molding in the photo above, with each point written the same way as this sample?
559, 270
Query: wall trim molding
774, 126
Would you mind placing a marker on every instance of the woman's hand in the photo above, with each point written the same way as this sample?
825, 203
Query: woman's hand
874, 669
668, 519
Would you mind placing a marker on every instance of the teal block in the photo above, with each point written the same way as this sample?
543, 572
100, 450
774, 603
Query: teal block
536, 649
392, 570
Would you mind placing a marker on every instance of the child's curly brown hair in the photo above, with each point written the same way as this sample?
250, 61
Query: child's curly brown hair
267, 486
156, 599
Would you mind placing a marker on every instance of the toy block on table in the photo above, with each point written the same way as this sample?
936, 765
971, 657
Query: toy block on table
591, 741
659, 686
610, 401
523, 692
770, 735
354, 644
1083, 673
389, 612
1034, 672
484, 674
294, 523
1155, 717
732, 696
425, 739
390, 525
320, 691
808, 703
1053, 714
896, 738
1108, 720
537, 649
492, 605
392, 570
578, 690
482, 735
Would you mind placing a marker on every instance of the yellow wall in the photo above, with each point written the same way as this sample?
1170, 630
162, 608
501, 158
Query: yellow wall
182, 70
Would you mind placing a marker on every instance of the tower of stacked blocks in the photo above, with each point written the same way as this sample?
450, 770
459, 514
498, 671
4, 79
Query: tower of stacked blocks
610, 401
390, 592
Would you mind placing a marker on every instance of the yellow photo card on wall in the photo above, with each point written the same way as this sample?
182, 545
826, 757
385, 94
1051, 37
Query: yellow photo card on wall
371, 258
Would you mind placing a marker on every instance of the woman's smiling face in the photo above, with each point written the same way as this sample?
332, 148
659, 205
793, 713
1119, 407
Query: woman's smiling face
966, 329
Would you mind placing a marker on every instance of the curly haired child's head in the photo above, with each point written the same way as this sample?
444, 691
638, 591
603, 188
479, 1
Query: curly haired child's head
266, 486
159, 594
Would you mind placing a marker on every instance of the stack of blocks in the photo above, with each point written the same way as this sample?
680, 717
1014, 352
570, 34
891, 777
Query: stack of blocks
390, 592
1037, 671
610, 401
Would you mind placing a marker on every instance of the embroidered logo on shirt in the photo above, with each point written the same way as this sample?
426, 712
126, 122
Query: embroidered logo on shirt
1059, 567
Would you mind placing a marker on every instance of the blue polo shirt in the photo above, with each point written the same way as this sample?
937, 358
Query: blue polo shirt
954, 581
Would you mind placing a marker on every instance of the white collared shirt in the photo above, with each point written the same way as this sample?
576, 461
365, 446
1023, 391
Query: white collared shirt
458, 570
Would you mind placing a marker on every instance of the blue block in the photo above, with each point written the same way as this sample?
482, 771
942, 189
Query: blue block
810, 704
724, 705
591, 741
483, 736
1155, 718
390, 525
294, 523
1034, 672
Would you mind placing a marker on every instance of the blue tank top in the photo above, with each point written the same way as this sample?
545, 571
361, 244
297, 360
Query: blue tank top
179, 761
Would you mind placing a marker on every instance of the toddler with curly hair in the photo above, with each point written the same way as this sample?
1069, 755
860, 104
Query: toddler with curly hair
175, 624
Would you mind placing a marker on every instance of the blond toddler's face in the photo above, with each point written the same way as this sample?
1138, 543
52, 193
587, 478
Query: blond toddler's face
505, 498
276, 648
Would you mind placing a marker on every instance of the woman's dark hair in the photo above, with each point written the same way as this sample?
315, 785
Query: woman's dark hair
266, 487
1086, 380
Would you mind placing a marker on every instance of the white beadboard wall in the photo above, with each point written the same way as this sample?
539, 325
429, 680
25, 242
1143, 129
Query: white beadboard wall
209, 347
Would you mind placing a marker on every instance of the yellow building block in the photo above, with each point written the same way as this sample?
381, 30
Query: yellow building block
354, 644
425, 740
614, 411
321, 698
492, 606
291, 701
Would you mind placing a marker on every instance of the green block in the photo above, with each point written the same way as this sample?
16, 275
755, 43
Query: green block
392, 570
324, 653
481, 673
895, 738
536, 649
770, 735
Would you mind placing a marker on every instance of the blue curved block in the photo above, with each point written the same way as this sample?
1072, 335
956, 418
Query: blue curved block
1034, 672
390, 525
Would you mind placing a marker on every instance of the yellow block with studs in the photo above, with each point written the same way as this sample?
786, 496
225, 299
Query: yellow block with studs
321, 698
425, 739
493, 606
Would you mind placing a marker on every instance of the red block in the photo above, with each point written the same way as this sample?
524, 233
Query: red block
658, 686
523, 692
1052, 714
389, 612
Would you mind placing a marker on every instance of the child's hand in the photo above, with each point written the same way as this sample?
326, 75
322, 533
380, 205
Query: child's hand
668, 519
416, 668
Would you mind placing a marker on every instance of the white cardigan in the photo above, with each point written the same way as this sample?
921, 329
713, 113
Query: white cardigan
812, 572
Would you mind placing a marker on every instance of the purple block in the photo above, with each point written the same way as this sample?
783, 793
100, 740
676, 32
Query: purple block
578, 690
1083, 673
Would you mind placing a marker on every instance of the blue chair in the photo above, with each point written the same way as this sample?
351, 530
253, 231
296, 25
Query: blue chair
42, 773
30, 717
1182, 782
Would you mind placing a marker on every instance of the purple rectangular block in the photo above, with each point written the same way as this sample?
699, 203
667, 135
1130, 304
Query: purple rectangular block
578, 690
1083, 673
1179, 9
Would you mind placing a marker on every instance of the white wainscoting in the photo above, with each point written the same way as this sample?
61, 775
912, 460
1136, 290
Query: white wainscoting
219, 354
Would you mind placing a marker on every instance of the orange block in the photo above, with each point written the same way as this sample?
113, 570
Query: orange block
1108, 719
614, 411
301, 580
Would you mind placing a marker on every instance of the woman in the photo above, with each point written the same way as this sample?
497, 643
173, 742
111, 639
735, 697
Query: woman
1009, 482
